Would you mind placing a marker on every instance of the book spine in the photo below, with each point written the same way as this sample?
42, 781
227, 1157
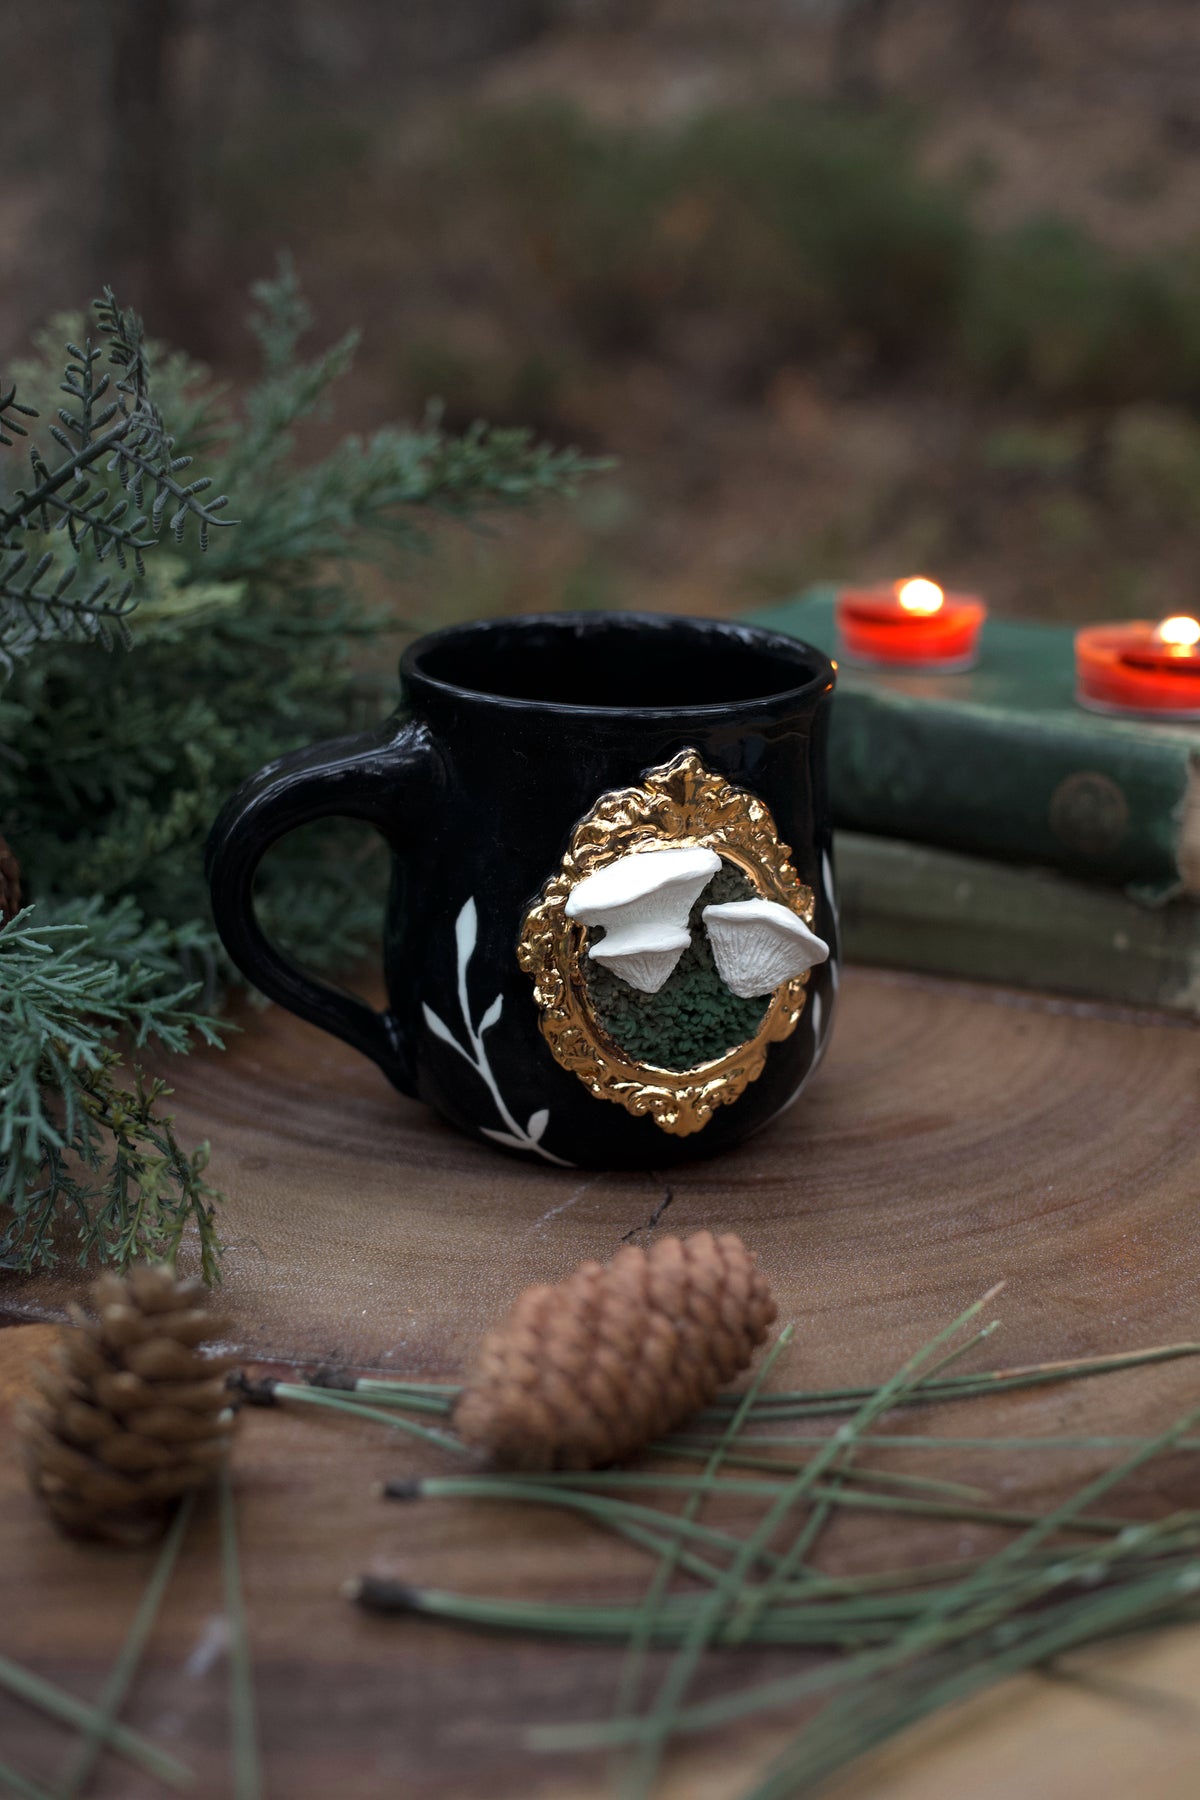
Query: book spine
1102, 806
904, 906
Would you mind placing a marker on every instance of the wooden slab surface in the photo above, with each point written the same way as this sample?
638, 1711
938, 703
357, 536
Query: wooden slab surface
954, 1137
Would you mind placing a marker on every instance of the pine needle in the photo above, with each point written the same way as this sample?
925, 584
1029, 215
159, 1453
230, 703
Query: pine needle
817, 1402
16, 1783
22, 1684
862, 1674
779, 1406
692, 1445
904, 1642
734, 1459
246, 1780
402, 1398
112, 1695
659, 1723
950, 1615
672, 1622
656, 1541
545, 1490
646, 1622
421, 1396
880, 1715
334, 1402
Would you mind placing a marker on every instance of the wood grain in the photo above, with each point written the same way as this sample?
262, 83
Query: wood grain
955, 1136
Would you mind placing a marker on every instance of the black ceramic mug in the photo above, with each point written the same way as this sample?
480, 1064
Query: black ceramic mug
611, 938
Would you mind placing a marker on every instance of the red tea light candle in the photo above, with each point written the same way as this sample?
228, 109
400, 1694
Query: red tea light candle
1143, 669
910, 625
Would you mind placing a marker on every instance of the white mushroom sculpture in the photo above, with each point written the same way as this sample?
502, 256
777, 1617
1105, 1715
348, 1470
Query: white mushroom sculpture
643, 900
756, 944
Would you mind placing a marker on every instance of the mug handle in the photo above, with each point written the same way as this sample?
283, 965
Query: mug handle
381, 777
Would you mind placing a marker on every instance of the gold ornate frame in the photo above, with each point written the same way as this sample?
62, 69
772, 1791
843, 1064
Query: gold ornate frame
680, 803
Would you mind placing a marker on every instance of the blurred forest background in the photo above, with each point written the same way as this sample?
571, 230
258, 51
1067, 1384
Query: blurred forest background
849, 287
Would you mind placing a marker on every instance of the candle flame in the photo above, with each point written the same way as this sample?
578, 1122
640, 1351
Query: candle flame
920, 596
1181, 633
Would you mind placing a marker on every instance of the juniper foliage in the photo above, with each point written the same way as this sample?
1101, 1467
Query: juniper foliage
83, 1147
245, 643
110, 483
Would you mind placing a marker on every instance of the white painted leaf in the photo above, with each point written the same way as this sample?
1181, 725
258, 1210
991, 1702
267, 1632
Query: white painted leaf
438, 1029
465, 928
504, 1137
538, 1122
830, 889
492, 1014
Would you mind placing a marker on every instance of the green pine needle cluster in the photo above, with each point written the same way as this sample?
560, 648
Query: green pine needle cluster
225, 648
742, 1557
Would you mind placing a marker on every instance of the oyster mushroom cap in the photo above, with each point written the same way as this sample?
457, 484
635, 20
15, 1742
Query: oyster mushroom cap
644, 887
757, 944
642, 901
646, 964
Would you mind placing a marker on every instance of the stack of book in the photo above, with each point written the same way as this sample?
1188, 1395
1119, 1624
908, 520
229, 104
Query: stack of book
989, 828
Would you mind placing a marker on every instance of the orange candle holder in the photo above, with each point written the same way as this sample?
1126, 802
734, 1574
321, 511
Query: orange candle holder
1140, 669
910, 625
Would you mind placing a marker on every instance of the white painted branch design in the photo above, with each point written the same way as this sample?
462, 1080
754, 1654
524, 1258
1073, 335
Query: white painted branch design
515, 1137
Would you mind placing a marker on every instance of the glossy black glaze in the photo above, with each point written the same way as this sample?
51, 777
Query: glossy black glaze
511, 730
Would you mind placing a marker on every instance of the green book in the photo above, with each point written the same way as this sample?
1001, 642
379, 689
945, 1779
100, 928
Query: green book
1000, 762
908, 907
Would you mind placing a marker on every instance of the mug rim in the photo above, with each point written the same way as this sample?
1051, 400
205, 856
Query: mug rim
747, 636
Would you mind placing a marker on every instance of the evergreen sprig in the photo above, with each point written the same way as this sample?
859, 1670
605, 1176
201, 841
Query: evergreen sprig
33, 611
367, 497
111, 771
128, 430
111, 447
10, 407
261, 645
77, 1143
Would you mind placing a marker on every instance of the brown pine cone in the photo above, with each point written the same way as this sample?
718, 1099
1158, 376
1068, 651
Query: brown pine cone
10, 882
586, 1372
135, 1414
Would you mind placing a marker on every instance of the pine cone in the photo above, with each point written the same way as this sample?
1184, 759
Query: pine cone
135, 1414
586, 1372
10, 882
